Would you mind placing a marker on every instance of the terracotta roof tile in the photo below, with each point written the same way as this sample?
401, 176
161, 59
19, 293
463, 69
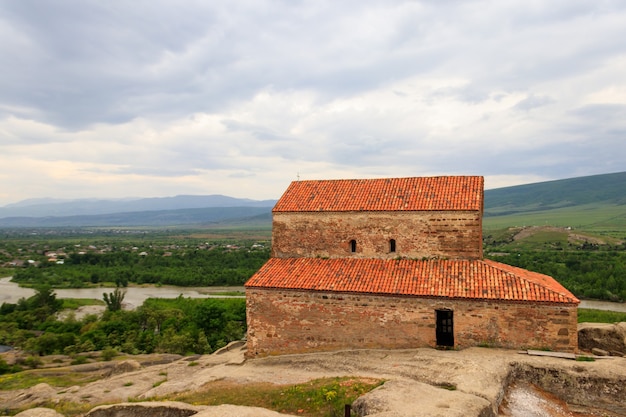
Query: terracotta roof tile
386, 194
470, 279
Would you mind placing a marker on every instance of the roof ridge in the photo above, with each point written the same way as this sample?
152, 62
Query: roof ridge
389, 178
450, 192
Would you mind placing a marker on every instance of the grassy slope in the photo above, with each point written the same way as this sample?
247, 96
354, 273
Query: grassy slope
606, 219
596, 204
607, 188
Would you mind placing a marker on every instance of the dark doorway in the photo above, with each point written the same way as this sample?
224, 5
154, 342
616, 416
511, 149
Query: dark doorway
445, 328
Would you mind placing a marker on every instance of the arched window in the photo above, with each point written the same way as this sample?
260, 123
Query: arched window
392, 245
353, 246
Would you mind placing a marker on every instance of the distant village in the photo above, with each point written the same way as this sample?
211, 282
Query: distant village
33, 253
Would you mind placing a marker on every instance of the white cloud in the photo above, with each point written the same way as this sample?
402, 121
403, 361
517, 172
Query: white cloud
154, 98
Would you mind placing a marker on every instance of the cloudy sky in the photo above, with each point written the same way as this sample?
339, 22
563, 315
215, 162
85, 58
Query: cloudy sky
151, 98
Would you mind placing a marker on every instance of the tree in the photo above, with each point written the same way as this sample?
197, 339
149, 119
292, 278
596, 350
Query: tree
114, 299
46, 298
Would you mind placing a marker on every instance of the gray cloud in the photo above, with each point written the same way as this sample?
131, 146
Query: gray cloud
532, 102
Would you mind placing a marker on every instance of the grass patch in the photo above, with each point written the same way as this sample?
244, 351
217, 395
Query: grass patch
589, 315
6, 272
74, 303
317, 398
605, 219
446, 385
53, 377
547, 237
156, 384
65, 408
228, 293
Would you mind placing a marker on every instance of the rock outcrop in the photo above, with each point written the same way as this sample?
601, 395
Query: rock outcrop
122, 367
391, 399
39, 412
604, 336
175, 409
145, 409
227, 410
578, 384
32, 397
419, 382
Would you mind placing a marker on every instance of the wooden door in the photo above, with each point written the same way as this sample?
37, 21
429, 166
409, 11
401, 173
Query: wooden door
445, 328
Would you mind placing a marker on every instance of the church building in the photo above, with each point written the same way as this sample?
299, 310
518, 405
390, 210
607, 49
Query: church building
396, 263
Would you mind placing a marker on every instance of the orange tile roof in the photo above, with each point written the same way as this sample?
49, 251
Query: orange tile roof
385, 194
467, 279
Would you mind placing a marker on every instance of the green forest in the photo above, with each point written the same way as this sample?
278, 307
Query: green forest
219, 266
599, 275
68, 259
590, 266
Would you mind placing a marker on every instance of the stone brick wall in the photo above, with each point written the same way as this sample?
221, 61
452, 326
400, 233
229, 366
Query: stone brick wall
427, 234
288, 321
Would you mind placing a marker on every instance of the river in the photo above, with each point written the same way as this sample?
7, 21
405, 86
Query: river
11, 292
603, 305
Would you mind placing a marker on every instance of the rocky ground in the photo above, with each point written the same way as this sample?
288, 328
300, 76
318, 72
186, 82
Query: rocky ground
420, 382
415, 380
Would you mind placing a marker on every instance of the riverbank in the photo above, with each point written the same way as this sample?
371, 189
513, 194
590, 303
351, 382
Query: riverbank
11, 292
603, 305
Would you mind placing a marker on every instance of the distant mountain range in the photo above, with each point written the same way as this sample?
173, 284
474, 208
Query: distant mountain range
52, 207
223, 210
163, 211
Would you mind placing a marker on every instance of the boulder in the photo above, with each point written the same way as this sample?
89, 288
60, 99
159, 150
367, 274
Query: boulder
392, 400
32, 397
145, 409
122, 367
176, 409
237, 344
39, 412
605, 336
599, 352
227, 410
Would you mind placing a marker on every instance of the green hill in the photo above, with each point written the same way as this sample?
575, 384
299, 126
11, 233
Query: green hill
595, 203
605, 189
573, 230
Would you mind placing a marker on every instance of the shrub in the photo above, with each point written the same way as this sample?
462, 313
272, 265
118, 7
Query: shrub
33, 362
108, 354
79, 360
5, 368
